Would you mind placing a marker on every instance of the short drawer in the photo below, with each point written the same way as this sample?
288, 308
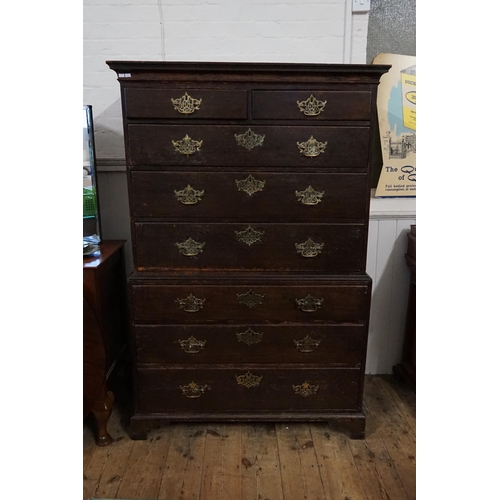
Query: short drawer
311, 105
151, 145
252, 303
341, 345
166, 247
185, 103
247, 388
212, 195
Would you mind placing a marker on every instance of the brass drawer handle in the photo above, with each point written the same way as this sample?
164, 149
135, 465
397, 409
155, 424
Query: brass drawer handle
249, 139
190, 303
309, 303
250, 185
305, 389
307, 344
249, 337
250, 299
190, 248
192, 345
187, 146
309, 248
311, 106
312, 147
248, 380
249, 235
186, 104
309, 196
193, 390
189, 195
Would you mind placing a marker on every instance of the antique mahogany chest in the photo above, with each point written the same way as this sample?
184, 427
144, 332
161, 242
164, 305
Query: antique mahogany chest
249, 200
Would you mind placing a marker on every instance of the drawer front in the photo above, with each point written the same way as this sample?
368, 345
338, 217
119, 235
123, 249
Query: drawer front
247, 388
315, 105
196, 145
197, 344
204, 195
336, 248
185, 103
250, 303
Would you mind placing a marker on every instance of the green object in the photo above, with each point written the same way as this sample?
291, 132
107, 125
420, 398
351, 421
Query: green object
89, 202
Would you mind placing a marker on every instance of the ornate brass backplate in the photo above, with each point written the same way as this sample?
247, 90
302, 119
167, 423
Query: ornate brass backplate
250, 299
190, 303
190, 248
309, 303
249, 235
311, 106
193, 390
186, 104
307, 344
312, 147
309, 196
187, 146
248, 380
249, 337
250, 185
309, 248
189, 195
249, 139
192, 345
305, 389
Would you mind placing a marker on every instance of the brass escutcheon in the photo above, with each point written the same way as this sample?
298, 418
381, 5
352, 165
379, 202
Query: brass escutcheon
192, 345
190, 303
249, 235
311, 106
193, 390
309, 248
307, 344
250, 299
189, 195
187, 146
250, 185
190, 248
248, 380
186, 104
309, 196
249, 337
249, 139
305, 389
309, 303
312, 147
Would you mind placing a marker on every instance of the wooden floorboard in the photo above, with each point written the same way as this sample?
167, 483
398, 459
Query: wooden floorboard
262, 461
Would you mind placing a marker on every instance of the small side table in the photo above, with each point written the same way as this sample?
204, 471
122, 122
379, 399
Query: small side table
407, 369
104, 330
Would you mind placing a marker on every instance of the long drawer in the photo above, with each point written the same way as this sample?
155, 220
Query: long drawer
334, 248
341, 345
247, 388
154, 145
204, 195
343, 302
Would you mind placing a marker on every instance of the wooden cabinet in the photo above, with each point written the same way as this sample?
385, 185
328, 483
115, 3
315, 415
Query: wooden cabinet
104, 331
249, 199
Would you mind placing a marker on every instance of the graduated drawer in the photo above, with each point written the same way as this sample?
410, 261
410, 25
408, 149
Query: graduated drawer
216, 145
247, 388
204, 195
336, 248
251, 303
311, 105
185, 103
198, 344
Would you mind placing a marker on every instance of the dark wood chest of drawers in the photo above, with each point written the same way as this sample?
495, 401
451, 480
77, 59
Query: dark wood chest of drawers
249, 199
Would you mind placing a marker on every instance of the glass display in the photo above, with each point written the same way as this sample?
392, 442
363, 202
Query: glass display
91, 223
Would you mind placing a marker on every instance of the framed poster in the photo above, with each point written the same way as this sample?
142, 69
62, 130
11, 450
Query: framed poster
397, 115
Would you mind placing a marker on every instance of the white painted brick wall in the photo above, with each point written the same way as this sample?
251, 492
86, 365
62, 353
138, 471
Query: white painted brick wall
206, 30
